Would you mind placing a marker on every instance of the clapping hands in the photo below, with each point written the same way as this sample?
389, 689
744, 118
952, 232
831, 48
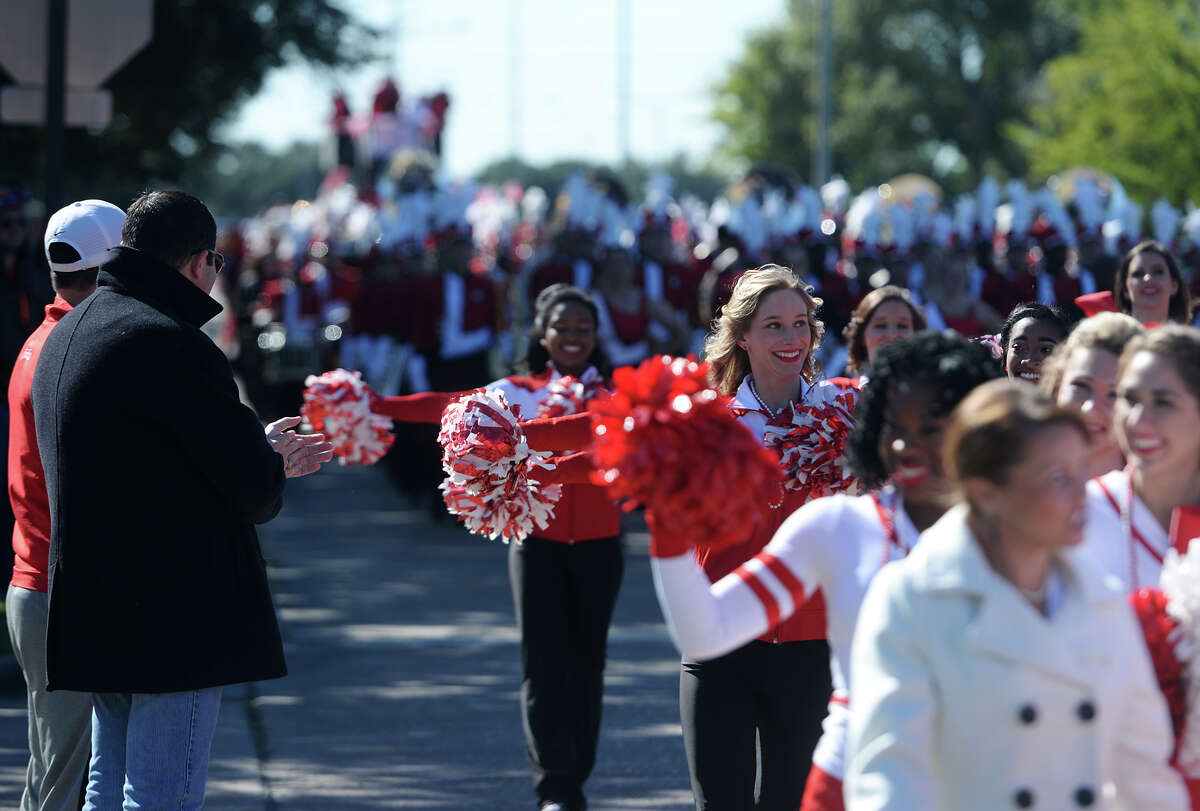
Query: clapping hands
302, 453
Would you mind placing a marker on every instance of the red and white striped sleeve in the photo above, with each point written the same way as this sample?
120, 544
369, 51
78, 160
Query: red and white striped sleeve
707, 620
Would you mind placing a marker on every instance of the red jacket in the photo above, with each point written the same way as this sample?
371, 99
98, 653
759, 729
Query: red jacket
585, 512
26, 480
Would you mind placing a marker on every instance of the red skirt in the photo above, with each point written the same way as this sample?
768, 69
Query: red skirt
822, 792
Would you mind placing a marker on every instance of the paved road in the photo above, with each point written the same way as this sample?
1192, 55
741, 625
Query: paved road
404, 673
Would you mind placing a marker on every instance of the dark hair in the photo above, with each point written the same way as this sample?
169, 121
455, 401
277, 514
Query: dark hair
536, 356
1036, 311
991, 430
172, 226
1180, 306
950, 365
854, 332
60, 253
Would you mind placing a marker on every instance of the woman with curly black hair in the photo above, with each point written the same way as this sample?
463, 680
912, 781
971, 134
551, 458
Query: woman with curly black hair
1028, 336
837, 544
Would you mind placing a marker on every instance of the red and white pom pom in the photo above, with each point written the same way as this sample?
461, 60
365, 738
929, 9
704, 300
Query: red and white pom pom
1180, 581
1161, 632
341, 406
487, 463
569, 395
812, 448
666, 440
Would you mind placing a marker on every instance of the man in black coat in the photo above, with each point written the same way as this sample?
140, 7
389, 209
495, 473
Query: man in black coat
156, 475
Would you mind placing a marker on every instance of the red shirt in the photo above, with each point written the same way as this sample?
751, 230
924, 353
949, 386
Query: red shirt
26, 481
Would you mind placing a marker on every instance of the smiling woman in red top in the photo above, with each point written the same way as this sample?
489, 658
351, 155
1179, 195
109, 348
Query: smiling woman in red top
565, 578
772, 690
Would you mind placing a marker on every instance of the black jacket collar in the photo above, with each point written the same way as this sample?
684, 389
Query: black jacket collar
140, 275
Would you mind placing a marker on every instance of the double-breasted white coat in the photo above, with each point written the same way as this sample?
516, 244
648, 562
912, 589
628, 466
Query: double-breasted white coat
966, 697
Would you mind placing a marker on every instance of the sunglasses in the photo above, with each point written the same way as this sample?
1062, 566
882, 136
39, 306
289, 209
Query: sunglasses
213, 258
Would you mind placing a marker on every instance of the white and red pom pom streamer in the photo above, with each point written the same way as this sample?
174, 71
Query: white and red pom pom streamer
1180, 581
487, 463
341, 406
569, 395
812, 448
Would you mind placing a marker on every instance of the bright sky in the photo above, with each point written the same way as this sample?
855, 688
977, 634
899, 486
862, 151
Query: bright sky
565, 54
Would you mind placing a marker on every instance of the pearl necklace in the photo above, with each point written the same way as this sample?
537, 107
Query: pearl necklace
762, 404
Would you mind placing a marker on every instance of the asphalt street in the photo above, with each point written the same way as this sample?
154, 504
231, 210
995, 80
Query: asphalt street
404, 675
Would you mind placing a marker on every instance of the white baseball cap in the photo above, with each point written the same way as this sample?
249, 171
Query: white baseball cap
91, 227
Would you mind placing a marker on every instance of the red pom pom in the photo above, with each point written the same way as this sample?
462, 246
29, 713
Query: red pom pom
1157, 626
341, 406
488, 462
666, 440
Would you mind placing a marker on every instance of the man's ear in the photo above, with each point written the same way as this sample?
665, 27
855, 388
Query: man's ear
191, 268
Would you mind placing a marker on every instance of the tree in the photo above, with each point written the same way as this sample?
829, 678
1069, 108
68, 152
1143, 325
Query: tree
244, 179
1127, 102
206, 58
920, 85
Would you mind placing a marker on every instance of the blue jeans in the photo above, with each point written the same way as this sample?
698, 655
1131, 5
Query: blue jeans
150, 750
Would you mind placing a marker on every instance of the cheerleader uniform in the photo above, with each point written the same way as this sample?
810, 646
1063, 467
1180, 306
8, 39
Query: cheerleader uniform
1127, 542
564, 581
775, 687
835, 544
624, 336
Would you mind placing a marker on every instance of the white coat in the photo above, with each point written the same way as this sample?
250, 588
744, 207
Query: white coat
965, 697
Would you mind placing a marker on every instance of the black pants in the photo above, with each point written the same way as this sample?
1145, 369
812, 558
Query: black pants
564, 596
760, 706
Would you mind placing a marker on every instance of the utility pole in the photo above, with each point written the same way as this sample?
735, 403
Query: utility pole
624, 48
56, 72
822, 155
516, 84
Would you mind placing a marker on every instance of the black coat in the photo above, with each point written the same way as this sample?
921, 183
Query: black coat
157, 475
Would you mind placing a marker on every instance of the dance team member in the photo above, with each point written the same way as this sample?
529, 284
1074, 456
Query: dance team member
838, 544
1157, 424
564, 578
1082, 373
1027, 338
885, 315
995, 666
773, 689
1149, 287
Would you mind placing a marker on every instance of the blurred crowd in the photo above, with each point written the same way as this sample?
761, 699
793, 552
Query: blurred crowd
428, 285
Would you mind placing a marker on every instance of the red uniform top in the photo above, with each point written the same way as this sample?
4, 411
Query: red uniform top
808, 621
585, 512
26, 479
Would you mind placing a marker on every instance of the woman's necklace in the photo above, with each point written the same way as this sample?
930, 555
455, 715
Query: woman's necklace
762, 403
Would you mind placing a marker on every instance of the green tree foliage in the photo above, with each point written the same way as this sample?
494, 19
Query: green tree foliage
1128, 101
244, 179
920, 85
206, 58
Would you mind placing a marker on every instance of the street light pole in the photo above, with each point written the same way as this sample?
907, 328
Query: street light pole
56, 70
624, 46
822, 160
516, 87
